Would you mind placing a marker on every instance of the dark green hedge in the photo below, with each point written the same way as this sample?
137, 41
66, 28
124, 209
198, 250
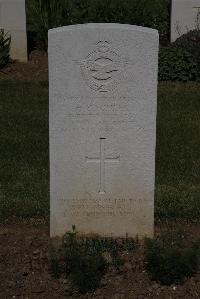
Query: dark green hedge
176, 64
45, 14
190, 42
180, 61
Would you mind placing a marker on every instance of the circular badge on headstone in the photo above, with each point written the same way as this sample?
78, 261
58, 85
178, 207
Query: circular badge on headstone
103, 67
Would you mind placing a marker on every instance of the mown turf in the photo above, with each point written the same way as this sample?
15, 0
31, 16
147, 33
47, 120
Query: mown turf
24, 158
178, 152
24, 171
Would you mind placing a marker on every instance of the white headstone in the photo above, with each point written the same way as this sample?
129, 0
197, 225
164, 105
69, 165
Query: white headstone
184, 17
13, 21
103, 95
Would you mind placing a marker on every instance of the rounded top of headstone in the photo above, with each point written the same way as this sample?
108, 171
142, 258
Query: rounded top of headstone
102, 26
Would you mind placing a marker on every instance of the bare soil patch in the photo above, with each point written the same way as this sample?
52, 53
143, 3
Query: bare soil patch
35, 69
25, 269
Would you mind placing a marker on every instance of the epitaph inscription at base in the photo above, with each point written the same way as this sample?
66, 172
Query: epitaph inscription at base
103, 91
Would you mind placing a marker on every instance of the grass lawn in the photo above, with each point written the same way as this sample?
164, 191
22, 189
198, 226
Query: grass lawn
24, 159
24, 171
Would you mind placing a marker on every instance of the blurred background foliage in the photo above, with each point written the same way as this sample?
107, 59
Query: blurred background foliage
178, 61
5, 41
45, 14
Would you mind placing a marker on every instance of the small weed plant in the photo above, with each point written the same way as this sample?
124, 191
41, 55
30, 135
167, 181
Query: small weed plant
55, 264
169, 260
85, 265
88, 270
85, 259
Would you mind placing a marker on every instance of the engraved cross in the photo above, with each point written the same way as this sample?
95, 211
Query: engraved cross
102, 160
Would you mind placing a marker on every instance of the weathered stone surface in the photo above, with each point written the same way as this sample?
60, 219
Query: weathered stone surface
103, 91
13, 21
184, 17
